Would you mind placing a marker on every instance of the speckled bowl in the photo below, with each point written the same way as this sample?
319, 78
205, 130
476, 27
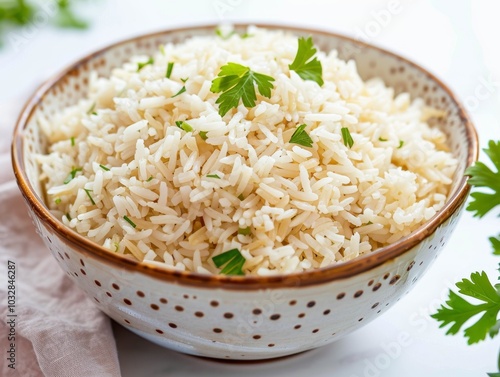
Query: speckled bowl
243, 317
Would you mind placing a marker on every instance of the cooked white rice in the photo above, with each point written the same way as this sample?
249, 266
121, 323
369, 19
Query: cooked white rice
305, 207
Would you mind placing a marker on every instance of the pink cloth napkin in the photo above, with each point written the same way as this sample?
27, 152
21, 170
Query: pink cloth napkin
58, 330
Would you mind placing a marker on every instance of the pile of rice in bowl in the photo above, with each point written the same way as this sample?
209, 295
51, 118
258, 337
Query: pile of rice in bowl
168, 160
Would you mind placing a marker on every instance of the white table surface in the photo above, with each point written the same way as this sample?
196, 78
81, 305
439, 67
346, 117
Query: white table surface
456, 40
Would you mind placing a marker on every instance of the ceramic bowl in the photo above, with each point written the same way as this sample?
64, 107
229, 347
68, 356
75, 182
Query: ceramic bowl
233, 317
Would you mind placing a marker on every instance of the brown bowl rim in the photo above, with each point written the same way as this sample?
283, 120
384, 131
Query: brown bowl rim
308, 278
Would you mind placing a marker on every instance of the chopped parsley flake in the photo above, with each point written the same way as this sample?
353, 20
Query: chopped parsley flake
245, 231
221, 34
233, 261
170, 67
71, 175
182, 90
213, 176
184, 126
126, 218
346, 136
141, 65
104, 167
90, 196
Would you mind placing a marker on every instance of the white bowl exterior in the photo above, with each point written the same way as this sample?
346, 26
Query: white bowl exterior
252, 324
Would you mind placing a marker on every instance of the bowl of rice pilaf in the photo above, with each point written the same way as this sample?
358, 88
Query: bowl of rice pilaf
244, 192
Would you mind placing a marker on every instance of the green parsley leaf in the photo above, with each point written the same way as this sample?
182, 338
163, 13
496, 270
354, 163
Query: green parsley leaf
237, 82
182, 90
162, 50
221, 34
71, 175
233, 260
117, 246
213, 176
306, 68
482, 176
66, 18
184, 80
457, 311
241, 197
346, 136
184, 126
104, 167
149, 179
495, 329
245, 231
401, 143
381, 139
141, 65
90, 196
21, 12
203, 135
18, 12
127, 219
495, 244
57, 201
68, 216
72, 141
170, 68
301, 137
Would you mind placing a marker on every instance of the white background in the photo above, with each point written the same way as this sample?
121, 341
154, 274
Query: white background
456, 40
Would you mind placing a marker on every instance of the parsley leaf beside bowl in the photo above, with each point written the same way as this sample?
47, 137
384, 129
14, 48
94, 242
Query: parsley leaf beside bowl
457, 311
484, 311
